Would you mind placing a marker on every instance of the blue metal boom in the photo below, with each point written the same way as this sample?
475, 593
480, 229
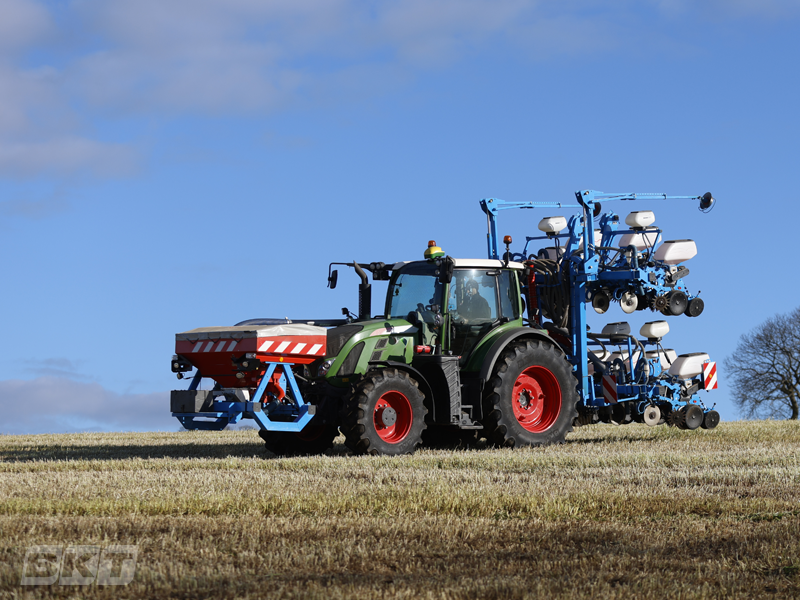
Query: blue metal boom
592, 269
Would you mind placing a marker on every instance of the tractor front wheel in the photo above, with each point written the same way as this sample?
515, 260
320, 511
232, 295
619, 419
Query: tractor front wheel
385, 414
532, 397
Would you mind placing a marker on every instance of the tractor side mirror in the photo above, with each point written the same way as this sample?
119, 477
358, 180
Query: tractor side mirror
446, 270
333, 278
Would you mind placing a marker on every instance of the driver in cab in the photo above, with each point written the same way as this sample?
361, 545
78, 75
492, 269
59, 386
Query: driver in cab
474, 307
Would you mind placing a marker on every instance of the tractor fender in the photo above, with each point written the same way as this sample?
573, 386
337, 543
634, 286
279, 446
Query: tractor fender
424, 386
503, 341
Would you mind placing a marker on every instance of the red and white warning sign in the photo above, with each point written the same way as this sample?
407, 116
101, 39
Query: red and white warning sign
610, 389
710, 376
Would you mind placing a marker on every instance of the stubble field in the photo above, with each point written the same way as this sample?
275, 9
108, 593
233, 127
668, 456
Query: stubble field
617, 512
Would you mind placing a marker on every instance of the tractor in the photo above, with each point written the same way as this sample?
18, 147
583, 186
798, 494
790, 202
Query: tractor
495, 348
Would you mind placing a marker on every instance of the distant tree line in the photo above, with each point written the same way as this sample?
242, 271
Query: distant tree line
765, 368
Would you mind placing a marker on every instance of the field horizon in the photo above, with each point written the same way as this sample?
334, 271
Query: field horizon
616, 512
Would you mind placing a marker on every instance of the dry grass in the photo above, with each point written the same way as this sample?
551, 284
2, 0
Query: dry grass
618, 512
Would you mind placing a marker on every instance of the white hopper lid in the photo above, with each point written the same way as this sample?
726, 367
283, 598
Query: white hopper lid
687, 366
640, 240
552, 224
673, 252
654, 329
640, 219
622, 328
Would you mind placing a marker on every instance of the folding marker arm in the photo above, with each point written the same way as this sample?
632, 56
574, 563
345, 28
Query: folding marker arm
491, 206
586, 200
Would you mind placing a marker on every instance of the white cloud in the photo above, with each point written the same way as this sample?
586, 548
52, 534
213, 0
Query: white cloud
115, 58
217, 56
40, 133
22, 22
65, 156
61, 405
54, 367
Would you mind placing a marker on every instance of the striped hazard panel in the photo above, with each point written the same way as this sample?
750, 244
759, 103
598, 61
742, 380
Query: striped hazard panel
215, 346
610, 389
284, 347
267, 346
710, 376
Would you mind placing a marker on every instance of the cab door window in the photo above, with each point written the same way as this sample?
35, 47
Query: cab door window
509, 296
473, 297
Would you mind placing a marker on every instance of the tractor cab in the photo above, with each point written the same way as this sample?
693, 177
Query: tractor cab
455, 302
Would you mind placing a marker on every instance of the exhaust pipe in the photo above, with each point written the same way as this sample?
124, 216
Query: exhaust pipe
364, 294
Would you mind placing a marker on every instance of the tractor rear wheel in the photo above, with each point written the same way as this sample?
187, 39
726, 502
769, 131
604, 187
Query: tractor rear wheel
385, 414
532, 397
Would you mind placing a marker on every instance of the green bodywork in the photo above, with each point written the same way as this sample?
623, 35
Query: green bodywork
374, 343
394, 339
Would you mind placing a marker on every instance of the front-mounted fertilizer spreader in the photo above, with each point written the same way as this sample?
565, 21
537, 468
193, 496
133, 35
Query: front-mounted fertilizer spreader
467, 348
253, 368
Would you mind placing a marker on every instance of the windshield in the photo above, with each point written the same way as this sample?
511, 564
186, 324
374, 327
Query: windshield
415, 285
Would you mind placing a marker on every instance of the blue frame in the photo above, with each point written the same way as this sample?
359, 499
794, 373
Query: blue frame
289, 417
588, 273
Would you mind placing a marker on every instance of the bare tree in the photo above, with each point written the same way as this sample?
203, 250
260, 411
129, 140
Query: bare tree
765, 368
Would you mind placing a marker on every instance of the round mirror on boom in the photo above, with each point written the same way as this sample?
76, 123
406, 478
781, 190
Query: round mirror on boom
706, 202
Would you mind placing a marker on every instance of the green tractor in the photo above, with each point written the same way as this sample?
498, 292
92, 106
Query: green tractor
449, 360
453, 358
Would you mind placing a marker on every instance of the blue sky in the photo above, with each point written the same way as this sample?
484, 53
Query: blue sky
172, 164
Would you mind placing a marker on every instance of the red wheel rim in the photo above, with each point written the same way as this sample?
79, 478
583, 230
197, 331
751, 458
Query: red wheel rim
392, 417
536, 399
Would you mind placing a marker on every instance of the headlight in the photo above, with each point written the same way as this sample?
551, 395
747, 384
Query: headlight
180, 364
325, 367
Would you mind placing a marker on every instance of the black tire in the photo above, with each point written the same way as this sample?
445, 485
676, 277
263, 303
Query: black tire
513, 417
385, 414
710, 420
677, 418
694, 417
314, 439
620, 414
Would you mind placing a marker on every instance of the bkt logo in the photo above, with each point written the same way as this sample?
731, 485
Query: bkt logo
79, 565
